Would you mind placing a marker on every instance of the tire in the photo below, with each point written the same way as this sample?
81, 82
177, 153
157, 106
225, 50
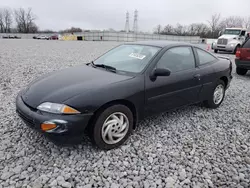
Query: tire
215, 51
98, 129
241, 71
211, 102
236, 48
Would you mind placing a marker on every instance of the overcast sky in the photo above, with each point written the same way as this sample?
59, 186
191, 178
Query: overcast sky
104, 14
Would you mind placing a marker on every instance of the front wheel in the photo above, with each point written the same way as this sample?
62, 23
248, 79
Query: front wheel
112, 127
217, 95
241, 71
215, 51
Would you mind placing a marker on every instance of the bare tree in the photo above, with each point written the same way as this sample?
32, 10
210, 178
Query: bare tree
246, 22
179, 29
168, 29
214, 23
197, 29
232, 21
204, 30
77, 29
158, 29
1, 21
7, 20
192, 29
25, 20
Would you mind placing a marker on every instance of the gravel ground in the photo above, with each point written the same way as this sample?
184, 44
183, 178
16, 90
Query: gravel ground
190, 147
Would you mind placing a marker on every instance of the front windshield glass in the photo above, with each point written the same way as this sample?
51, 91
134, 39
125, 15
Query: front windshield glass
129, 58
232, 32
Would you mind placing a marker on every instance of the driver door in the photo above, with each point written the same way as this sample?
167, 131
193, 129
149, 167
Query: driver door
182, 87
242, 36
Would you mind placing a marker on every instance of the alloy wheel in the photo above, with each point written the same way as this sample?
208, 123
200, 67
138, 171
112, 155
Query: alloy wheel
218, 94
115, 128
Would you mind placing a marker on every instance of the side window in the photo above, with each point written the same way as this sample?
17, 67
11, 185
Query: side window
247, 44
204, 57
177, 59
243, 33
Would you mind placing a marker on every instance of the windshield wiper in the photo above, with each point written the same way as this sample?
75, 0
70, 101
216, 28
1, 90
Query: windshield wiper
107, 67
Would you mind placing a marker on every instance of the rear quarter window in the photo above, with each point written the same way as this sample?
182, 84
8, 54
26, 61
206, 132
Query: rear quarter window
247, 44
204, 57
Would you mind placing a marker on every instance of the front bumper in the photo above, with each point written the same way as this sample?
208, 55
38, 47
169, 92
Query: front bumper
73, 126
227, 48
242, 64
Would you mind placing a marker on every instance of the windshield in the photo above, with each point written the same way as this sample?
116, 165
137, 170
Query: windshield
232, 32
129, 58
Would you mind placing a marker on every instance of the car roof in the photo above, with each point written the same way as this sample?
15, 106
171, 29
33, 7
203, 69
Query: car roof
236, 28
159, 43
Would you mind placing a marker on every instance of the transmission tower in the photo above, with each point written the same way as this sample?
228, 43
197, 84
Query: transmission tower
127, 23
135, 21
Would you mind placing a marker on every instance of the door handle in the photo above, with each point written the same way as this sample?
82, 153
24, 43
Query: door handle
197, 76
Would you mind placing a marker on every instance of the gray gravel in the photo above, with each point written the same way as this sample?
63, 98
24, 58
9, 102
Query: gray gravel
190, 147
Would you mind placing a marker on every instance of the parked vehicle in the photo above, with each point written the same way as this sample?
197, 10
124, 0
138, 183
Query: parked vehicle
53, 37
231, 40
42, 37
242, 59
110, 95
11, 37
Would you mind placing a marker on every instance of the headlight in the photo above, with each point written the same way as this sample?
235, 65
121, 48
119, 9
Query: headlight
232, 44
57, 108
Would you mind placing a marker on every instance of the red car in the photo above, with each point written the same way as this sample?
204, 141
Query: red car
53, 37
242, 59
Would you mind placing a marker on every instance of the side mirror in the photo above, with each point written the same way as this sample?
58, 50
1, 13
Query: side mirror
160, 72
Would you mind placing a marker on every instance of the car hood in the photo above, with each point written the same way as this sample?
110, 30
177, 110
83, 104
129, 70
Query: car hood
228, 36
62, 85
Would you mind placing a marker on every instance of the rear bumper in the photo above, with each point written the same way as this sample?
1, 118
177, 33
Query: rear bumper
242, 64
69, 127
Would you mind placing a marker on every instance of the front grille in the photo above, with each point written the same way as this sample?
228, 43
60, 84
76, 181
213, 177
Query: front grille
26, 119
222, 41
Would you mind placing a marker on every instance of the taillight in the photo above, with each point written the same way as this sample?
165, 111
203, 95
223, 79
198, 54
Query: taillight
238, 54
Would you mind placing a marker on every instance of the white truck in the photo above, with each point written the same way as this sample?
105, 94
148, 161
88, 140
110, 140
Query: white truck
230, 40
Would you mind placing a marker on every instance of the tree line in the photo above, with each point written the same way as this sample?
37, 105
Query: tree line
210, 29
23, 21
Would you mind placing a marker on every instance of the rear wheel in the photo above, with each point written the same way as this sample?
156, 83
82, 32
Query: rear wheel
217, 95
215, 51
112, 127
241, 71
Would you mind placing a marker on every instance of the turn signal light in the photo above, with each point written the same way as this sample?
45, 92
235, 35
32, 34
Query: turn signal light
46, 126
69, 110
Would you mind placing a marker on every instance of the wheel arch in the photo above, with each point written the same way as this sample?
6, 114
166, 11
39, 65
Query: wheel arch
124, 102
225, 80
